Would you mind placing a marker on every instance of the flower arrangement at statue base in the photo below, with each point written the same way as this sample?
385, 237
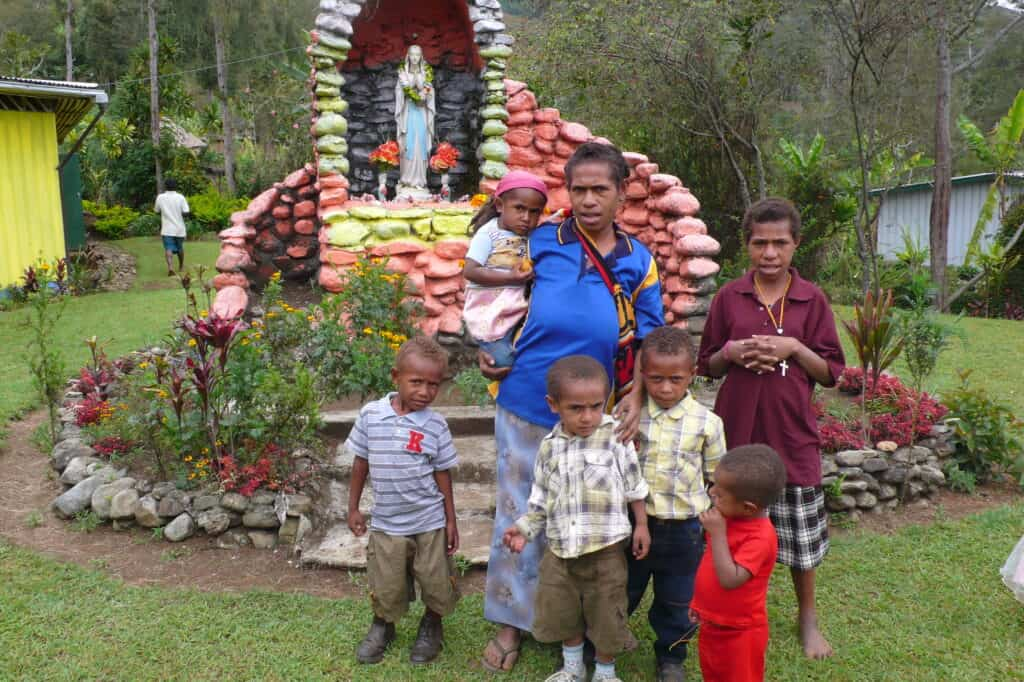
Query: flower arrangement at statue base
384, 158
218, 430
443, 160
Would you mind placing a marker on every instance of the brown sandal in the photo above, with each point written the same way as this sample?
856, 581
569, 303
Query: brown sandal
505, 653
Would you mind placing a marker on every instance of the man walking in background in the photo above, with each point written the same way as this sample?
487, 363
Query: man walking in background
172, 208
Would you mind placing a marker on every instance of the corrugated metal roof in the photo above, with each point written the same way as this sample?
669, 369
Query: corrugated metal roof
1013, 176
68, 101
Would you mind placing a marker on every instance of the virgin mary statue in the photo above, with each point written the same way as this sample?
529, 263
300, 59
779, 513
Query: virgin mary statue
414, 114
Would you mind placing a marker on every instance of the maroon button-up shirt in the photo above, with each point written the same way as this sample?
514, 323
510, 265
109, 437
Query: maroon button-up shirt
771, 408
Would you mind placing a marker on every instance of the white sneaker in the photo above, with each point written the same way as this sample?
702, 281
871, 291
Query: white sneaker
564, 675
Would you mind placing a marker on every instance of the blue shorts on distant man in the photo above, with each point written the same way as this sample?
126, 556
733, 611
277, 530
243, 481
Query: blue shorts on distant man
174, 244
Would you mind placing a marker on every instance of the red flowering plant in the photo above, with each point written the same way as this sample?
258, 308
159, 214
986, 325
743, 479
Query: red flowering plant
271, 470
444, 158
385, 156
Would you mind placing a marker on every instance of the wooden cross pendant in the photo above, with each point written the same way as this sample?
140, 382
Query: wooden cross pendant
785, 366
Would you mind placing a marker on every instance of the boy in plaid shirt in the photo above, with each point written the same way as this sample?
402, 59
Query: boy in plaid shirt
679, 444
583, 480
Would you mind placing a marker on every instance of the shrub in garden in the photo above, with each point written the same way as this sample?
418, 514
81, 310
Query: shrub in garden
989, 437
43, 285
112, 222
212, 210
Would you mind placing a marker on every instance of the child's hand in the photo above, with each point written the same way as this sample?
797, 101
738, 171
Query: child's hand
356, 523
713, 521
451, 532
693, 616
514, 539
641, 542
523, 272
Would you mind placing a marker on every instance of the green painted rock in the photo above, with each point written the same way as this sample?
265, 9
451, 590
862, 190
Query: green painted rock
334, 42
331, 123
324, 90
335, 215
410, 213
329, 52
494, 128
347, 233
452, 224
496, 97
422, 227
495, 149
454, 210
496, 86
493, 75
389, 228
496, 52
335, 104
493, 169
332, 144
368, 212
330, 77
323, 62
494, 113
333, 164
497, 64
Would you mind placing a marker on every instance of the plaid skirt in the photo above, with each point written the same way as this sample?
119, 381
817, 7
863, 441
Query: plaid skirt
802, 526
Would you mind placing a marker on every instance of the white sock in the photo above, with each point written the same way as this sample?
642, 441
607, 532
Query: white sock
573, 659
604, 671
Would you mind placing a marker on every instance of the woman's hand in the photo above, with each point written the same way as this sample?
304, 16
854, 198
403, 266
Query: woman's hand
751, 353
627, 412
486, 363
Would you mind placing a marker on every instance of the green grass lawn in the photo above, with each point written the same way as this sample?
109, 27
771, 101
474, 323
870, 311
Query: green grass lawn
124, 321
923, 604
993, 349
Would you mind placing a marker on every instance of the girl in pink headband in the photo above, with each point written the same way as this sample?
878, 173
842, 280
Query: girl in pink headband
497, 269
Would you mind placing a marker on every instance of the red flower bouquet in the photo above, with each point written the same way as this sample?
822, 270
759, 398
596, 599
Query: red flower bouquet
385, 157
444, 158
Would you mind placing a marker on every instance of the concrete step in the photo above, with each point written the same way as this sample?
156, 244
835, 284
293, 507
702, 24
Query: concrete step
462, 420
477, 460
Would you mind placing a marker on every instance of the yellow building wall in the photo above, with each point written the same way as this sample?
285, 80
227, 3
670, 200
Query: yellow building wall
31, 223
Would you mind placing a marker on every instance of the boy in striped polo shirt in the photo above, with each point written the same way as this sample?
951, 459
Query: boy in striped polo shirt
406, 450
679, 444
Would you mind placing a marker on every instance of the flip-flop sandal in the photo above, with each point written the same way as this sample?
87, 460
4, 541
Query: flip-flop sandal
505, 653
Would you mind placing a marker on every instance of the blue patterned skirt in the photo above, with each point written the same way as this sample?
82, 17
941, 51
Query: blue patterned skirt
512, 578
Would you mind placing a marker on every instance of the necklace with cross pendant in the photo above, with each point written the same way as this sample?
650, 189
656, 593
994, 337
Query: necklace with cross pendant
785, 367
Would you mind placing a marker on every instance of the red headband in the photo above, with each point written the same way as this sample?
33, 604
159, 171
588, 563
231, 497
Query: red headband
518, 179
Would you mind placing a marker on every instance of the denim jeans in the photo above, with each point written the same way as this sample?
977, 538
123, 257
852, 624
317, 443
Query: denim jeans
676, 550
501, 350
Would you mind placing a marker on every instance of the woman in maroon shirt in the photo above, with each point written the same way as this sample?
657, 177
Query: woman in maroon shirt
772, 335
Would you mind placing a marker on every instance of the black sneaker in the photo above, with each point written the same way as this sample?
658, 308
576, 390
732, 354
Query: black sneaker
376, 642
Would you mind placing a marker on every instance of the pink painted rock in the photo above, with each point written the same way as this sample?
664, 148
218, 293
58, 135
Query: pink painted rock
555, 169
678, 202
282, 212
440, 287
262, 203
548, 115
308, 191
662, 251
232, 259
402, 264
513, 88
283, 228
576, 133
670, 317
432, 306
524, 156
452, 249
558, 198
240, 218
522, 101
333, 181
287, 199
520, 118
551, 181
661, 236
545, 147
636, 190
660, 182
688, 225
266, 241
666, 300
658, 221
230, 279
698, 245
451, 320
564, 149
297, 179
631, 230
230, 302
646, 169
237, 232
338, 257
305, 227
519, 137
603, 140
634, 159
418, 281
441, 268
697, 268
302, 248
330, 279
333, 197
397, 248
449, 299
635, 215
488, 186
429, 325
687, 305
235, 241
673, 284
546, 131
305, 209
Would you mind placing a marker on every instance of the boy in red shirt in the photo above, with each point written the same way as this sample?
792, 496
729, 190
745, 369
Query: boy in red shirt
731, 588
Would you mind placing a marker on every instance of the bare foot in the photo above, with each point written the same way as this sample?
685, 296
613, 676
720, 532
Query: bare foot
502, 652
815, 645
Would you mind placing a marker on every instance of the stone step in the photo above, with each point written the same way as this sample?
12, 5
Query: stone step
477, 460
462, 420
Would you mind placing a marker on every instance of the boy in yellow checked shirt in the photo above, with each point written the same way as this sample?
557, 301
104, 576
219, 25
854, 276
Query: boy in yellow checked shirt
679, 444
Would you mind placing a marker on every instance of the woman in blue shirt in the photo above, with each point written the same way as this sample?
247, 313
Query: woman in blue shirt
571, 312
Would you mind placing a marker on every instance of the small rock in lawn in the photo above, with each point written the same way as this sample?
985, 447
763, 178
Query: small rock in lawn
108, 473
874, 465
144, 486
67, 450
920, 453
299, 504
903, 456
76, 470
866, 500
932, 475
214, 521
204, 502
887, 492
103, 496
264, 498
121, 525
263, 539
260, 517
853, 486
162, 489
887, 445
828, 466
146, 514
123, 504
70, 431
77, 499
234, 502
852, 458
840, 502
173, 503
181, 528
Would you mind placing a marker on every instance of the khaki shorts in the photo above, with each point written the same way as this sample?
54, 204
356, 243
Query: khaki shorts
393, 561
583, 595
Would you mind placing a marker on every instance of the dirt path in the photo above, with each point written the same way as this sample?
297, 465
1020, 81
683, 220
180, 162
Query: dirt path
28, 486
